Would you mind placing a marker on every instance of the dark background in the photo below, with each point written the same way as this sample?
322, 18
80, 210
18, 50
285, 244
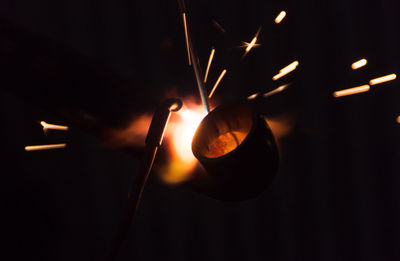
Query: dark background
336, 195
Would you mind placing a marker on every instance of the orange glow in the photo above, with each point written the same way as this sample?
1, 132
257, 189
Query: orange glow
291, 67
398, 119
217, 83
225, 143
280, 17
359, 64
209, 64
382, 79
355, 90
132, 135
45, 147
181, 129
282, 125
184, 132
186, 37
47, 126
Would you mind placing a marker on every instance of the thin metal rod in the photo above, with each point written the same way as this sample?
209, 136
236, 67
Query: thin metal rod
134, 197
194, 59
196, 69
153, 141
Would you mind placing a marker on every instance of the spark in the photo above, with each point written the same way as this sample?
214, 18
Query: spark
291, 67
253, 96
359, 64
217, 83
351, 91
45, 147
186, 37
382, 79
253, 42
398, 119
47, 126
209, 64
275, 91
280, 17
219, 26
246, 45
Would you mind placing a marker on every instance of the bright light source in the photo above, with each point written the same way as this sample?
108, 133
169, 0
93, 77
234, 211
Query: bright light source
181, 129
280, 17
382, 79
355, 90
359, 64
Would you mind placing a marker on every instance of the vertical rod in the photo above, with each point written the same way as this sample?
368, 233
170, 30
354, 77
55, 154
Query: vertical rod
194, 58
196, 69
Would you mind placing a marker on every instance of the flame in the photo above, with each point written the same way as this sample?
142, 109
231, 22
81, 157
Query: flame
180, 132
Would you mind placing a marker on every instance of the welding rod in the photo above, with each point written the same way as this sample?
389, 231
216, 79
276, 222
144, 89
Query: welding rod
195, 60
153, 142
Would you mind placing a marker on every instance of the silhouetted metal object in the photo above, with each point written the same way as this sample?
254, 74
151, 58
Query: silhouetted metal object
153, 141
237, 149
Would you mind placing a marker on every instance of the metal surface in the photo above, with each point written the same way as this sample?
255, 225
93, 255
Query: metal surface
244, 172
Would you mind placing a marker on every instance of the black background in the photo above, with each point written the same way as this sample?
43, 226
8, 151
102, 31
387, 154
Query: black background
336, 196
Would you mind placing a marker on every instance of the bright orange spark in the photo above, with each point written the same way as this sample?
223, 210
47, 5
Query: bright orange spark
217, 83
275, 91
251, 44
45, 147
291, 67
398, 119
253, 96
280, 17
382, 79
358, 64
351, 91
47, 126
209, 64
